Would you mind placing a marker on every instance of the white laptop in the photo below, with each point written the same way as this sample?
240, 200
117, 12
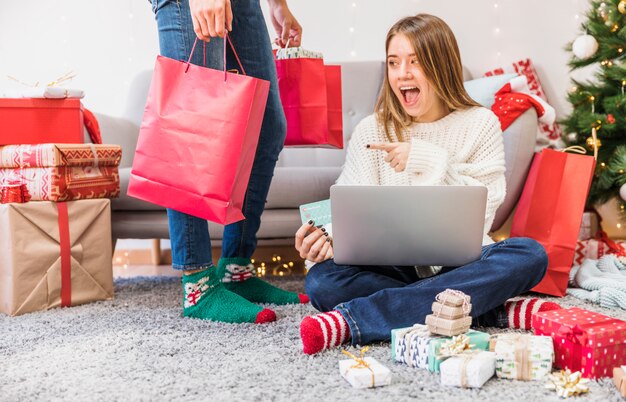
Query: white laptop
407, 225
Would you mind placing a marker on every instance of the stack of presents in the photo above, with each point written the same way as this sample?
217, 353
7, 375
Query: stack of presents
583, 344
55, 214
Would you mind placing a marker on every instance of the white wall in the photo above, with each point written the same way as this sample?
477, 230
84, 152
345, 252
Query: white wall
107, 42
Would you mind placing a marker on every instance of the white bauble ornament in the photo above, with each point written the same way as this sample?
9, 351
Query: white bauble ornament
585, 46
622, 192
572, 137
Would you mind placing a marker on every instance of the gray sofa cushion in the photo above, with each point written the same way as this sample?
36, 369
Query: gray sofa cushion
294, 186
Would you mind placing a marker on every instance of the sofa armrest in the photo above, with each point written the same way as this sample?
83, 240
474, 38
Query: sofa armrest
120, 131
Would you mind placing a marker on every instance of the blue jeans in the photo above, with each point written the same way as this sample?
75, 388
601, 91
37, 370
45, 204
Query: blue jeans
189, 235
376, 299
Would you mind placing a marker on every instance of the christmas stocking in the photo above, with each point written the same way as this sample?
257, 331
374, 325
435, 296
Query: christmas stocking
514, 98
238, 276
206, 298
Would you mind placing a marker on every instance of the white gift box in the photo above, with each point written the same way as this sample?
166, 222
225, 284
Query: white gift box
523, 356
469, 370
376, 375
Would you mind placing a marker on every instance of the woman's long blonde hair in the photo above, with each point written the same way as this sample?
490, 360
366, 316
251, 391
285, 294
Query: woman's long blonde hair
438, 54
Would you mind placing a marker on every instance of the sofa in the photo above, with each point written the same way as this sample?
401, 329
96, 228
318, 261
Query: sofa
301, 175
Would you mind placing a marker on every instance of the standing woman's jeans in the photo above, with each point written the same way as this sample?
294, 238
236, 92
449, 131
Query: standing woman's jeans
191, 243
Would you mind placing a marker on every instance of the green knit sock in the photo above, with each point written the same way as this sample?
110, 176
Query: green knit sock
238, 276
205, 297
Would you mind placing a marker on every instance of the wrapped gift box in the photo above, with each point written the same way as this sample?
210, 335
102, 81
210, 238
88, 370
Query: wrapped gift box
596, 248
619, 379
54, 254
589, 226
375, 375
522, 356
399, 344
444, 326
38, 121
470, 370
478, 341
584, 341
449, 312
410, 345
63, 172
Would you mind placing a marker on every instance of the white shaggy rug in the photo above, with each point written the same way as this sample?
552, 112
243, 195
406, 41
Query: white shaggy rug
138, 347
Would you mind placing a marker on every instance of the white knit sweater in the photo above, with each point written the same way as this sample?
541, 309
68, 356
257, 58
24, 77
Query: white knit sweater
463, 148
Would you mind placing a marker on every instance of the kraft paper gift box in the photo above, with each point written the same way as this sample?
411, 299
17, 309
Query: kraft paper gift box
447, 327
36, 121
450, 312
359, 376
522, 356
54, 254
470, 370
584, 341
478, 341
619, 379
63, 172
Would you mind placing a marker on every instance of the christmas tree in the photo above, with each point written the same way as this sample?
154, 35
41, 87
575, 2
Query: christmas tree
599, 105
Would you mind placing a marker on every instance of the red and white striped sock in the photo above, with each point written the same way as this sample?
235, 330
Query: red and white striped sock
520, 311
322, 331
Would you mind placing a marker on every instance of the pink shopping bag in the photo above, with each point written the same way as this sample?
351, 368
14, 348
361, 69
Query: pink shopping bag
310, 93
198, 139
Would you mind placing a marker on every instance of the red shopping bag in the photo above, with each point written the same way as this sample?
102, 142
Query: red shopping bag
550, 211
198, 139
310, 93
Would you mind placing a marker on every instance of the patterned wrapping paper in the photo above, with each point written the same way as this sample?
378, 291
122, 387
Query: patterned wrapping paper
471, 370
63, 172
410, 345
297, 53
478, 340
512, 349
584, 341
376, 375
399, 345
593, 249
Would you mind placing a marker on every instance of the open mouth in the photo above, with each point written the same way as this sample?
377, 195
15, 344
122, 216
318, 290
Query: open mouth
410, 94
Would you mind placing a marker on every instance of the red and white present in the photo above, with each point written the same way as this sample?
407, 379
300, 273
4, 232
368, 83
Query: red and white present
584, 341
547, 134
63, 172
596, 248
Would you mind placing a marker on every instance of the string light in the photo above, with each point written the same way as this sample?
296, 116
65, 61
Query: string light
619, 225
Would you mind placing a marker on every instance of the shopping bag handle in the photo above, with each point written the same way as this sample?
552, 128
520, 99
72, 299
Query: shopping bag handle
226, 39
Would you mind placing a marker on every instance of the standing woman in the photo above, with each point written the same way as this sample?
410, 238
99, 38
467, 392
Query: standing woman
211, 292
426, 131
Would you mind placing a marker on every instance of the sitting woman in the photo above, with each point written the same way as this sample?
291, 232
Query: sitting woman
426, 131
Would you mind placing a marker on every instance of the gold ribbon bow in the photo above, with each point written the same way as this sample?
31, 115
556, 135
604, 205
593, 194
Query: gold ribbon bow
61, 80
567, 383
360, 360
457, 345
